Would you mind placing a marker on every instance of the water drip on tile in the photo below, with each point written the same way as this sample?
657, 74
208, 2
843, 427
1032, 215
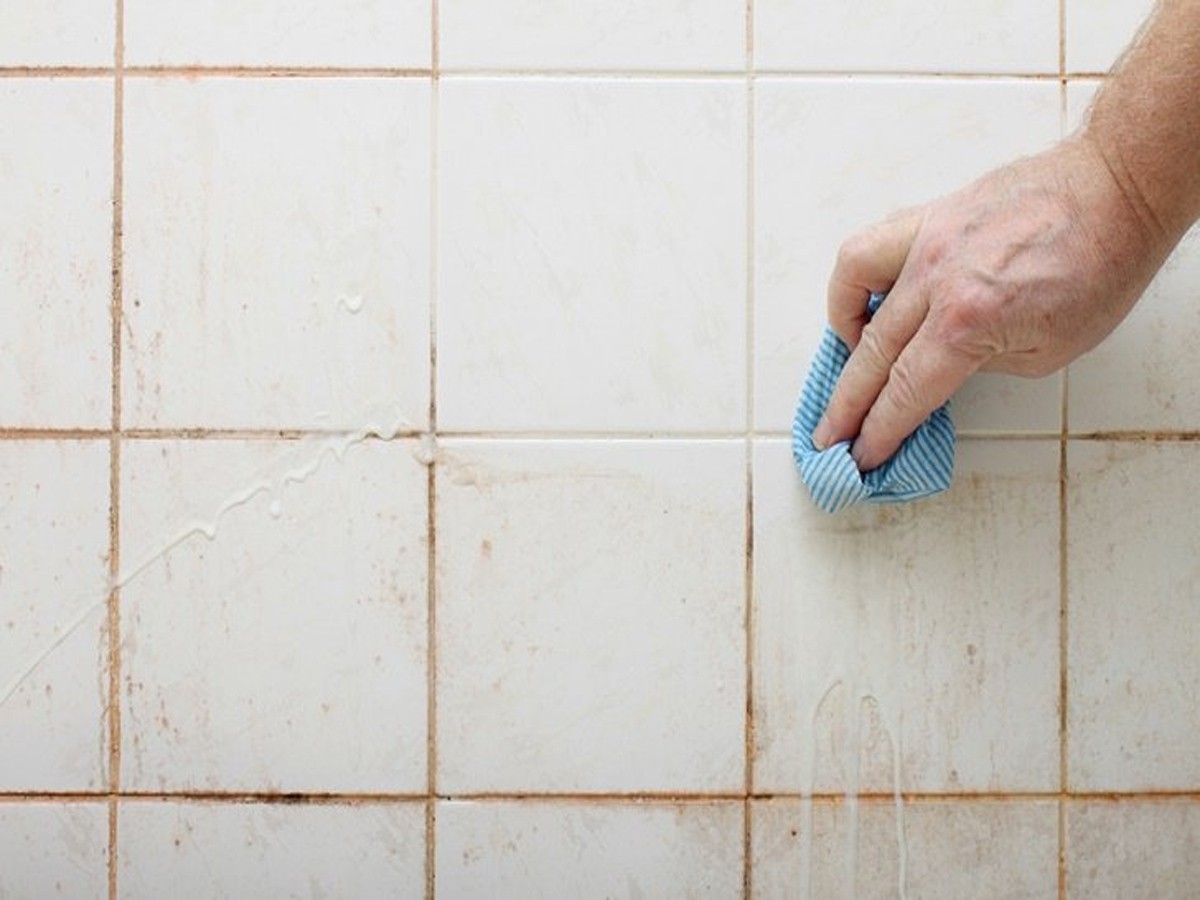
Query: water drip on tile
307, 459
851, 700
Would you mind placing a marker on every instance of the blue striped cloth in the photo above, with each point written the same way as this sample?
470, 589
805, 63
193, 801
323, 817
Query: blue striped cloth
923, 465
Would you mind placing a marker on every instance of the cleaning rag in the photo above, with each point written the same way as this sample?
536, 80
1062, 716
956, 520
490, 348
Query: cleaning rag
923, 465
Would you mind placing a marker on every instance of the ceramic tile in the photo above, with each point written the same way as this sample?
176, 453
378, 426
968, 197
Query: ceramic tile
1140, 378
390, 33
942, 614
54, 850
1133, 850
260, 850
276, 275
288, 651
593, 34
56, 33
1097, 31
812, 194
589, 850
950, 850
912, 35
592, 255
589, 593
56, 177
1134, 699
53, 588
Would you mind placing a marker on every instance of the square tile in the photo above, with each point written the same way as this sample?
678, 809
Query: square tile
287, 652
276, 252
264, 850
56, 177
1098, 31
593, 255
589, 592
1134, 692
53, 592
54, 850
386, 33
1139, 378
911, 35
813, 194
589, 850
57, 33
1133, 849
921, 638
593, 34
949, 849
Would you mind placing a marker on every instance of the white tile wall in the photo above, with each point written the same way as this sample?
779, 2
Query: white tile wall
948, 850
254, 850
53, 849
588, 593
55, 253
366, 33
593, 34
592, 255
589, 850
56, 33
460, 552
907, 35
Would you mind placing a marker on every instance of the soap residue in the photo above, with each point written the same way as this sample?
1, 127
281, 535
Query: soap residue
352, 303
301, 463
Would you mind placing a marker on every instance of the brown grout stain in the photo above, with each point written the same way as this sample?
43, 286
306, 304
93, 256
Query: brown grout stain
431, 721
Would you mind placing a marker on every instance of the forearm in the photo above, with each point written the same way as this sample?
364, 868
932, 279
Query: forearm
1145, 122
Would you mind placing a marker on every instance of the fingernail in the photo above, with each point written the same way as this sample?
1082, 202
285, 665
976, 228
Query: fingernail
823, 434
856, 453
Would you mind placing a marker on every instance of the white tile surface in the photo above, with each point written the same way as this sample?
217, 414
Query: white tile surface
288, 652
57, 33
391, 33
198, 850
1133, 850
1099, 30
276, 251
944, 612
546, 850
590, 616
1140, 378
907, 35
53, 575
884, 145
952, 850
54, 850
592, 255
56, 179
1134, 698
593, 34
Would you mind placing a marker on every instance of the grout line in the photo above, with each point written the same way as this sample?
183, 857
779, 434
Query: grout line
748, 592
202, 71
431, 764
114, 473
298, 434
631, 797
1063, 421
275, 72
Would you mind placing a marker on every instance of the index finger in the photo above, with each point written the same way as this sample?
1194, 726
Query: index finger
868, 263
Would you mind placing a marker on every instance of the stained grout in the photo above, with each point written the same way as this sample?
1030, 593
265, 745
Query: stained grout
431, 720
115, 443
614, 797
1064, 428
748, 575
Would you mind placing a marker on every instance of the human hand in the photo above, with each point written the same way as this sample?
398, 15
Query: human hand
1019, 272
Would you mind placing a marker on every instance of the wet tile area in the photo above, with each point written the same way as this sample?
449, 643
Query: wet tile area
395, 488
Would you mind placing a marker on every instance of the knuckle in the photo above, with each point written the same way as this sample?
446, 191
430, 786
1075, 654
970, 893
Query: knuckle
874, 348
854, 249
906, 390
